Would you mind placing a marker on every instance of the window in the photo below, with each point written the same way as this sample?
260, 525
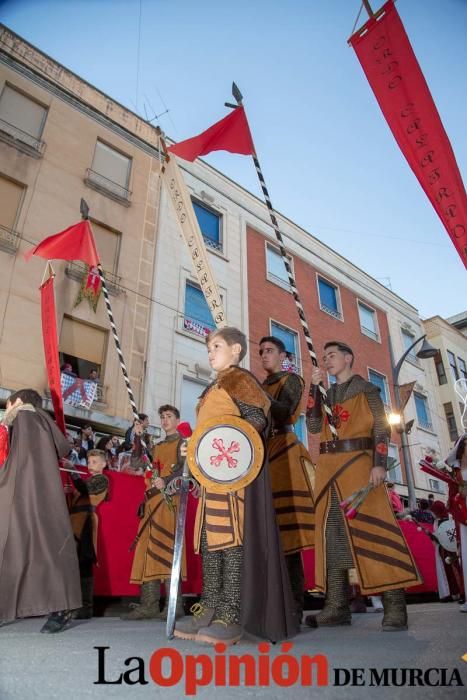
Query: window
394, 468
436, 485
451, 421
440, 371
301, 431
83, 346
290, 340
453, 366
197, 317
408, 340
210, 224
329, 298
423, 412
462, 368
380, 381
108, 246
275, 267
22, 118
368, 321
191, 391
110, 172
11, 197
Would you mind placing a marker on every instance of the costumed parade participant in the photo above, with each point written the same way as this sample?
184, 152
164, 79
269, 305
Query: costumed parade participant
89, 493
369, 538
245, 581
457, 502
152, 563
39, 572
289, 463
448, 570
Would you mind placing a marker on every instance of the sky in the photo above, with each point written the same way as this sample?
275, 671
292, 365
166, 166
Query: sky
329, 159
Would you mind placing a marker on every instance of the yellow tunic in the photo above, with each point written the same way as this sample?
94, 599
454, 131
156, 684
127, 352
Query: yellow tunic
154, 551
381, 556
291, 472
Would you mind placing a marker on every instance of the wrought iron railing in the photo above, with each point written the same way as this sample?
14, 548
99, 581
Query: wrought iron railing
21, 138
103, 184
198, 328
426, 425
215, 245
9, 239
369, 332
76, 270
332, 312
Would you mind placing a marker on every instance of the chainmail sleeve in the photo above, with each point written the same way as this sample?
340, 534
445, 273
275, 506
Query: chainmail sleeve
97, 484
289, 398
252, 414
381, 429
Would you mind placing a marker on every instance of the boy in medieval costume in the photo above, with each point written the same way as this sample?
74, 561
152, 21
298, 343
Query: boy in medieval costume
457, 502
39, 572
372, 542
245, 582
89, 493
289, 463
152, 563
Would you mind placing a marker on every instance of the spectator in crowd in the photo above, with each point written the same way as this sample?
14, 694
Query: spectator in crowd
394, 497
87, 442
93, 375
423, 514
143, 420
431, 499
105, 444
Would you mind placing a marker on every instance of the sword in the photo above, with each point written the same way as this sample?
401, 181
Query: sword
183, 485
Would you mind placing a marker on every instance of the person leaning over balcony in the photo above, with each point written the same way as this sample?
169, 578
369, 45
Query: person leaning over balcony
372, 542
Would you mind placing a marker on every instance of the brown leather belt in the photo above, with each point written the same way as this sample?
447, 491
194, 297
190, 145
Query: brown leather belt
282, 430
352, 445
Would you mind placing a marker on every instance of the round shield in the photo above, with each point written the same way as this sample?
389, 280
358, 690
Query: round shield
446, 535
225, 454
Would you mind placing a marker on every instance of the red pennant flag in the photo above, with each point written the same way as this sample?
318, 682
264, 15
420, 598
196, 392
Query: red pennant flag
74, 243
229, 134
50, 339
391, 67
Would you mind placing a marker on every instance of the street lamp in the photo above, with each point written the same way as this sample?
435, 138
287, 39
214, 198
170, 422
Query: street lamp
397, 418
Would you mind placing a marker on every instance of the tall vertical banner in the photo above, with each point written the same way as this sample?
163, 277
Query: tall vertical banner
391, 67
189, 226
49, 335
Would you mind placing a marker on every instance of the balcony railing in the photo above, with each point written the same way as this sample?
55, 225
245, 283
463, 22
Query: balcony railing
332, 312
215, 245
100, 397
112, 189
24, 142
195, 327
76, 271
369, 332
425, 425
9, 239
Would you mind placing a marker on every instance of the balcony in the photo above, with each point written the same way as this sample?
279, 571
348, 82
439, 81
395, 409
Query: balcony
196, 328
9, 240
214, 245
24, 142
370, 333
425, 425
111, 189
100, 398
332, 312
76, 271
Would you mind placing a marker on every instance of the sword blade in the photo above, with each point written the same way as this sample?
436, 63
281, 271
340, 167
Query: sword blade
178, 551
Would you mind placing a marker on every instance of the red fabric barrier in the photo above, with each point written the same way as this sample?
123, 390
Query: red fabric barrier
118, 525
422, 550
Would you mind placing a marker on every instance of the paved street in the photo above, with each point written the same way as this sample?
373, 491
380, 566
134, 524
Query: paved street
36, 667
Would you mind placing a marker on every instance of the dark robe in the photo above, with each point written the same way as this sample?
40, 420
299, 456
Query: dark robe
39, 571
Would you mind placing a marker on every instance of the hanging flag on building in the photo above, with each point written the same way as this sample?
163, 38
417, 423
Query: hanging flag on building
405, 392
74, 243
78, 392
231, 133
391, 67
91, 287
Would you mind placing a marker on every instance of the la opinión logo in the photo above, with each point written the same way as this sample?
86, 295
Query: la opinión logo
167, 668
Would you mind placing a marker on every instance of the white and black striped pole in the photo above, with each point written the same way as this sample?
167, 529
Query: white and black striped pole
306, 330
85, 214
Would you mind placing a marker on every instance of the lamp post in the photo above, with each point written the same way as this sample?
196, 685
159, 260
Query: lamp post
397, 418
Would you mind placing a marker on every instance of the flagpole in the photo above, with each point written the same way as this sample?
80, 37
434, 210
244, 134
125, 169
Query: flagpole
306, 330
85, 215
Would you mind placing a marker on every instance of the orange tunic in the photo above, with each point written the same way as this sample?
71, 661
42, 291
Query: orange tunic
382, 558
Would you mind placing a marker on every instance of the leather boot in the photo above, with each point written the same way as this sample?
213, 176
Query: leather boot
56, 622
189, 626
395, 611
148, 609
87, 591
179, 609
336, 609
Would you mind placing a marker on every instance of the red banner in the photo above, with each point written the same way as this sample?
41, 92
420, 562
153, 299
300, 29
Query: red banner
49, 335
392, 69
